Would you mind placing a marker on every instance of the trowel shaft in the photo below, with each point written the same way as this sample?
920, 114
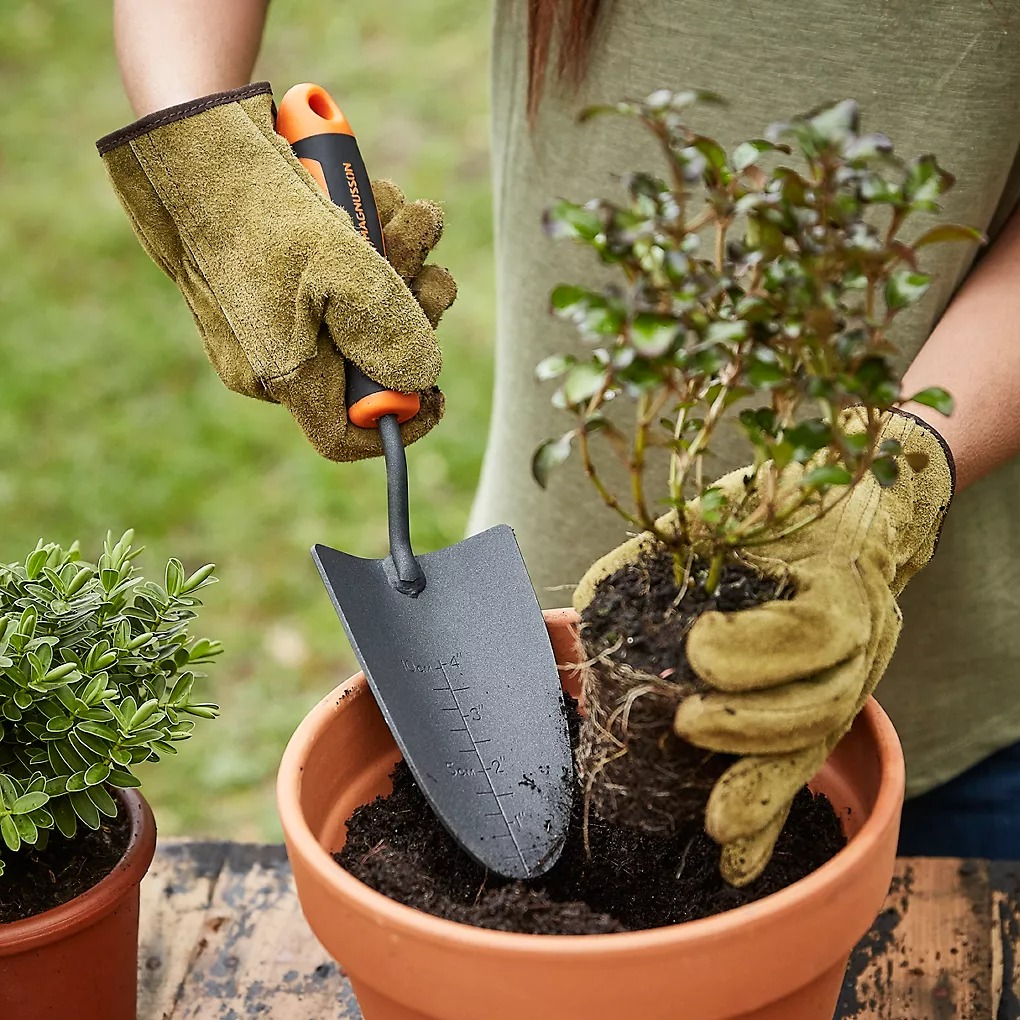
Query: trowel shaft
323, 140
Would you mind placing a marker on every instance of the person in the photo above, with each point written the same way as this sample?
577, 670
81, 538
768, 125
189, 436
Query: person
935, 75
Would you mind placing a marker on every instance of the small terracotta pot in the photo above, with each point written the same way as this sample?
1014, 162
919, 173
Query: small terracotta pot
781, 958
78, 961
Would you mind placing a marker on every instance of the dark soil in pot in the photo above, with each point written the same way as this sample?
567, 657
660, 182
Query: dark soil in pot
648, 862
630, 881
38, 880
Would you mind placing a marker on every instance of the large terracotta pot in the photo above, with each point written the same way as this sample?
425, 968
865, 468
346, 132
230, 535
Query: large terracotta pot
78, 961
781, 958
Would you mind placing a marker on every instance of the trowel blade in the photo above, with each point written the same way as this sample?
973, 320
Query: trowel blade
465, 677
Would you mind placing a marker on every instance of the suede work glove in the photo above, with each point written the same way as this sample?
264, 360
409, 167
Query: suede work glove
281, 284
790, 677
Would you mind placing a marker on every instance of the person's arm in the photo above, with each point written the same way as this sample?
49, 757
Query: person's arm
171, 51
974, 353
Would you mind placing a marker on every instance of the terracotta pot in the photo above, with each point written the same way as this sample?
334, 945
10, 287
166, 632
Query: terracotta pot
781, 958
78, 961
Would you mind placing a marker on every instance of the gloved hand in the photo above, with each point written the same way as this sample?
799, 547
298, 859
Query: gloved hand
281, 284
789, 677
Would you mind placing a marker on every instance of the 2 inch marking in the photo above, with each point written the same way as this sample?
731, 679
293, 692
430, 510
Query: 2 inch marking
496, 766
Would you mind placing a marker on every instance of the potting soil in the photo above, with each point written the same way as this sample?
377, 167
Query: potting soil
629, 881
37, 880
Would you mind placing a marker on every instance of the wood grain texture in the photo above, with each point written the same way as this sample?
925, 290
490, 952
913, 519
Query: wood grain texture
223, 938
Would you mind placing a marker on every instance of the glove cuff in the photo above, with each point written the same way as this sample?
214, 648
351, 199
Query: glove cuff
926, 493
899, 412
182, 111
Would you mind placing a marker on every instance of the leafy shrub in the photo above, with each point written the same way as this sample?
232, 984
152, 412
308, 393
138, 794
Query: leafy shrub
97, 674
765, 296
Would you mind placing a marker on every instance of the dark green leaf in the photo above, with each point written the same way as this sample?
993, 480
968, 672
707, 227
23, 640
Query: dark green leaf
948, 232
886, 471
549, 456
711, 504
765, 374
64, 816
123, 780
553, 367
652, 335
10, 834
201, 578
747, 153
868, 147
583, 381
28, 802
925, 182
103, 800
568, 220
174, 577
808, 438
86, 811
27, 829
935, 397
97, 774
905, 287
827, 475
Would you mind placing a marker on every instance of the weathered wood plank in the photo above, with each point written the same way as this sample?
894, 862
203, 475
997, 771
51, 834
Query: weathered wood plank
1005, 880
175, 900
223, 938
257, 957
929, 956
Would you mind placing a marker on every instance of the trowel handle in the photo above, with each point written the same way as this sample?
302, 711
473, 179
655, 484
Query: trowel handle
322, 139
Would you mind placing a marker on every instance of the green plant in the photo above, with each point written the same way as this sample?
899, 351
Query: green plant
97, 674
782, 322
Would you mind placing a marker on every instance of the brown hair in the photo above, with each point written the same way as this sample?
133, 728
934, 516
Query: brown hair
572, 22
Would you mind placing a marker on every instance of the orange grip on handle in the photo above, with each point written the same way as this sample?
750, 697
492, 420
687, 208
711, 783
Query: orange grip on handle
306, 112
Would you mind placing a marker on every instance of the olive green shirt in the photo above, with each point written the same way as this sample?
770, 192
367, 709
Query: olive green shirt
938, 76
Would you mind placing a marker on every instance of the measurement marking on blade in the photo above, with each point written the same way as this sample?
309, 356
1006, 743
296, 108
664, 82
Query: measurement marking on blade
492, 790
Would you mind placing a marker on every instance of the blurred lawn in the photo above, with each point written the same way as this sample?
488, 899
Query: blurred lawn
110, 416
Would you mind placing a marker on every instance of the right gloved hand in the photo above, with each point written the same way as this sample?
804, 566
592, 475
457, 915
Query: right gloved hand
281, 284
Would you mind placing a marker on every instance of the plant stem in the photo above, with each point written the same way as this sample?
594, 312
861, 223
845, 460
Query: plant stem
714, 576
607, 497
637, 466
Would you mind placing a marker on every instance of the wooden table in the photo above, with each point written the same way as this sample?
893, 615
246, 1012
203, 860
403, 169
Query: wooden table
223, 939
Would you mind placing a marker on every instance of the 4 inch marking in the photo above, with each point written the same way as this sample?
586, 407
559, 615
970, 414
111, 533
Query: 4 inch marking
498, 798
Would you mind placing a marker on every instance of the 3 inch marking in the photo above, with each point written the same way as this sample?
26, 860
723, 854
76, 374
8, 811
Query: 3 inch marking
488, 778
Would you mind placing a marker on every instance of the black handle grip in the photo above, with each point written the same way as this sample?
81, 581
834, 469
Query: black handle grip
348, 186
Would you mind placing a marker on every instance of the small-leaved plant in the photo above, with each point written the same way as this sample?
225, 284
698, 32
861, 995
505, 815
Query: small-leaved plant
765, 294
97, 674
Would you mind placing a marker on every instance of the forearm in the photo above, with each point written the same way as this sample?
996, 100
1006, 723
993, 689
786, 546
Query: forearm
975, 354
170, 51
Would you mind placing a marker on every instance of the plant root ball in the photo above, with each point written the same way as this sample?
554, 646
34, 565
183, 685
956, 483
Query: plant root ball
634, 769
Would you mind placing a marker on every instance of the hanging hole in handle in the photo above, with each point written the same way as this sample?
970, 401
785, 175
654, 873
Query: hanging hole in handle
320, 102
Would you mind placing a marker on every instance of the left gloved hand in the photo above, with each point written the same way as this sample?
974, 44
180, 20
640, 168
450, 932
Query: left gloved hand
789, 677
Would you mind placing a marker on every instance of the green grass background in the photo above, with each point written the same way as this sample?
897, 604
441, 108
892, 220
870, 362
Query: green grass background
111, 418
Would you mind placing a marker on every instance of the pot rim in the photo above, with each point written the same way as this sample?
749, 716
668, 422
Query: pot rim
95, 903
719, 927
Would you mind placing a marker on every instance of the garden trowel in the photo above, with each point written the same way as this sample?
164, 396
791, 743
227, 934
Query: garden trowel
452, 643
